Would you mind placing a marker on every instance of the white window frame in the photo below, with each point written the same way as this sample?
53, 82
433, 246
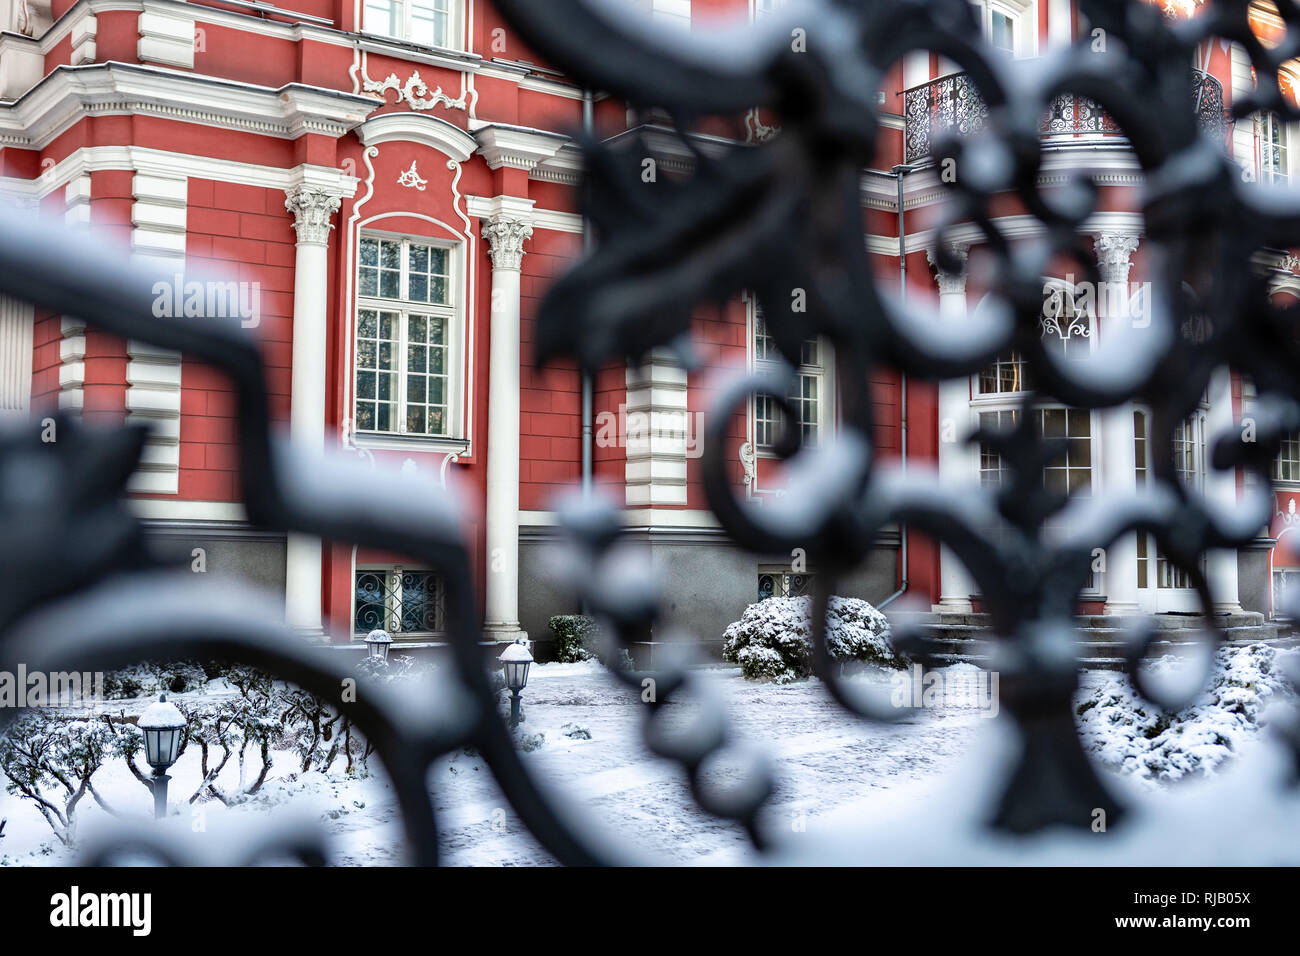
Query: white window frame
452, 312
1177, 594
401, 11
821, 373
393, 574
1267, 124
1023, 15
1286, 467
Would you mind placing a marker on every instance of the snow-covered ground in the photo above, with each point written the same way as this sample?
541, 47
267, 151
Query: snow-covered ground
827, 764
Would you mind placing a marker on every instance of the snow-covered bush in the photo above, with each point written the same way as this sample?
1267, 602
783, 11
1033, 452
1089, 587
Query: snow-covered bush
1131, 735
575, 637
772, 641
50, 760
150, 679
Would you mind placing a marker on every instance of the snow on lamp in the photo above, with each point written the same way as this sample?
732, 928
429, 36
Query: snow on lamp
514, 665
161, 725
377, 643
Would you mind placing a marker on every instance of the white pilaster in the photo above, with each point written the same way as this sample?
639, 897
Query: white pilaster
153, 375
72, 343
312, 207
1118, 466
1221, 489
505, 234
656, 432
957, 462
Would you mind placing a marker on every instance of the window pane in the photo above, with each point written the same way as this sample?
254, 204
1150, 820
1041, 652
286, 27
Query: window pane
381, 16
429, 22
1002, 31
375, 369
419, 288
1054, 423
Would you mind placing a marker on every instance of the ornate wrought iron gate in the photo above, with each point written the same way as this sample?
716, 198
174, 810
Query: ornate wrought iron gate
774, 218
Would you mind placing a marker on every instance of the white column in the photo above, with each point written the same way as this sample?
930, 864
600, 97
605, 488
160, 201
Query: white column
957, 462
16, 323
1060, 23
505, 235
312, 208
1118, 466
1221, 489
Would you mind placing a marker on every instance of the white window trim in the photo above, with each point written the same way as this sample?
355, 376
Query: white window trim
456, 344
456, 23
827, 398
1263, 122
1201, 425
1024, 16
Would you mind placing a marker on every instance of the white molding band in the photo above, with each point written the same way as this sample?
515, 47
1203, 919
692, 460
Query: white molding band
446, 138
70, 93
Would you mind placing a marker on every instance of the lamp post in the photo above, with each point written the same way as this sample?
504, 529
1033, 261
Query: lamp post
377, 644
514, 663
162, 725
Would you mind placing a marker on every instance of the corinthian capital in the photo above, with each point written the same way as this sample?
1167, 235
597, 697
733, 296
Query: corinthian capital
312, 208
1114, 255
951, 281
505, 236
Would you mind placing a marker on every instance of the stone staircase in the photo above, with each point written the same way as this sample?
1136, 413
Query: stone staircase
961, 637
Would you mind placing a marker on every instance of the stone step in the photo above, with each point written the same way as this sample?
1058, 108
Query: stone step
1097, 648
1170, 622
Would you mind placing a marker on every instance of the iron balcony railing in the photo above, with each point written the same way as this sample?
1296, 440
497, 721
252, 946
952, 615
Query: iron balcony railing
952, 103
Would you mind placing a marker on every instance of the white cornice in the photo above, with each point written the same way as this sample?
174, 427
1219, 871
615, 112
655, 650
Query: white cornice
159, 162
421, 128
517, 147
556, 220
70, 93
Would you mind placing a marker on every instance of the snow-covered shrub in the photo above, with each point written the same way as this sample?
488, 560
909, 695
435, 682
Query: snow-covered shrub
50, 760
150, 679
1129, 734
773, 639
575, 637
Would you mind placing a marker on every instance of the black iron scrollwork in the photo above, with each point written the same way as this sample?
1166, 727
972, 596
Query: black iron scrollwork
772, 218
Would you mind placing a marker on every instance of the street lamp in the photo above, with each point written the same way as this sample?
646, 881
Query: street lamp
514, 663
377, 643
162, 725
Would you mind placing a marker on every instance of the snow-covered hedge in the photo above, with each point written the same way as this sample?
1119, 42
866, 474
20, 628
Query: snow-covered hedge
1129, 734
772, 641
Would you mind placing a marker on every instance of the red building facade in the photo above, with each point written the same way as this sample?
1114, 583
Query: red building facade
390, 186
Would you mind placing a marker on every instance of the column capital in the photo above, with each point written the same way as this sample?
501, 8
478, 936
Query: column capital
1114, 255
505, 235
950, 282
312, 208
